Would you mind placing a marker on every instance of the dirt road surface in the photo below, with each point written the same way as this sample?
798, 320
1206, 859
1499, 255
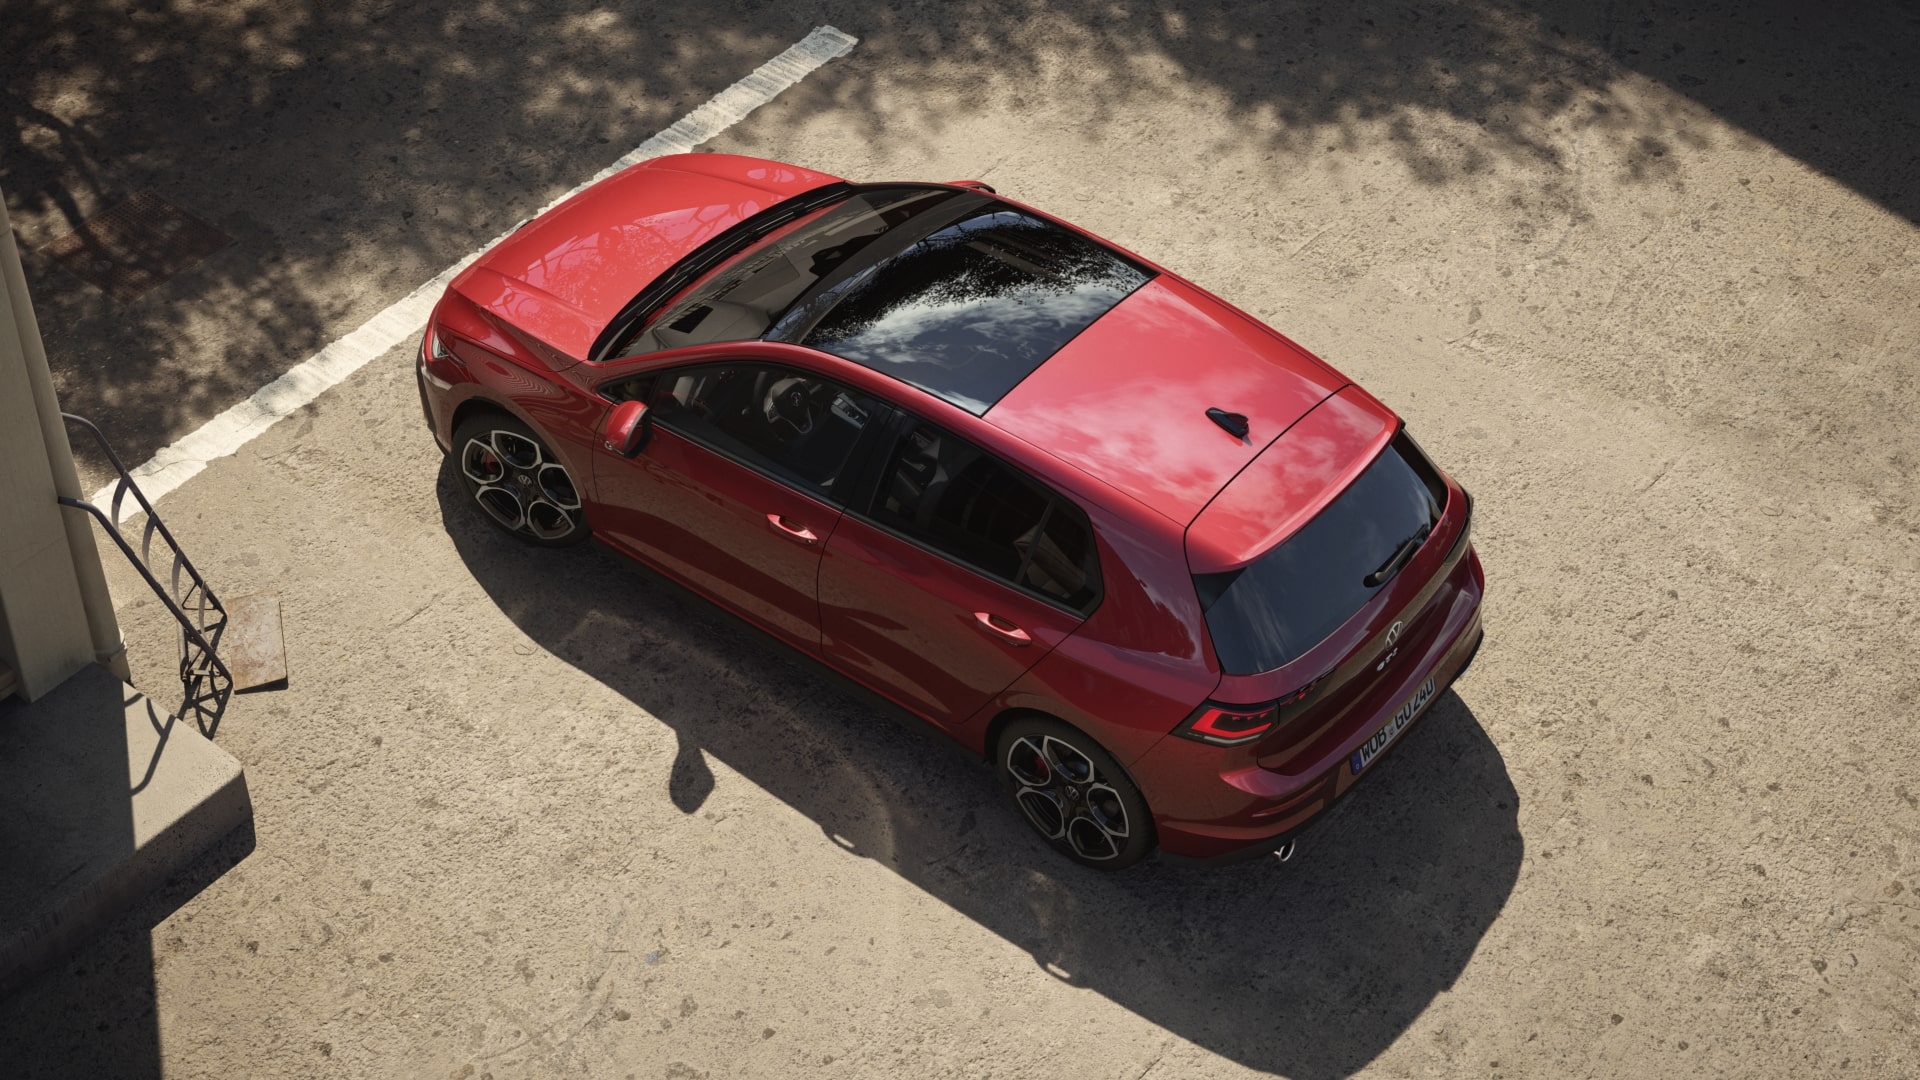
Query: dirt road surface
1646, 280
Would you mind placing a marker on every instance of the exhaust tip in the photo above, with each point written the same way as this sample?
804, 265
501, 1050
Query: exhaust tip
1285, 851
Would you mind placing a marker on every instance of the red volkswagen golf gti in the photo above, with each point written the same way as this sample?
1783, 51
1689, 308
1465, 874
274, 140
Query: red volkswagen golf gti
1178, 580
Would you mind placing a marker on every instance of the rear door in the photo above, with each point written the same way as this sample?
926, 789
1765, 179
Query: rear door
737, 490
959, 575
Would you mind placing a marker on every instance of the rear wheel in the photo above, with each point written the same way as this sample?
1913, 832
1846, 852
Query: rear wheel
1074, 793
517, 481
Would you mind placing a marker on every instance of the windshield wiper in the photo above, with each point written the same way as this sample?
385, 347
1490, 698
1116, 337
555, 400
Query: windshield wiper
1400, 555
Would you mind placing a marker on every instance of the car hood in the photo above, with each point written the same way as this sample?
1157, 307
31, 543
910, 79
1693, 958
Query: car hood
1126, 401
562, 277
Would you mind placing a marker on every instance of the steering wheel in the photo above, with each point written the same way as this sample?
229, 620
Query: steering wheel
788, 406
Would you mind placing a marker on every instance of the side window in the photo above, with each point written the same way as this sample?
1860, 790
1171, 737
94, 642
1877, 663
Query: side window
794, 424
634, 389
966, 503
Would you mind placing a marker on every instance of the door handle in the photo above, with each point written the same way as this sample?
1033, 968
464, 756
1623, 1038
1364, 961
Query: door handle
1003, 628
797, 532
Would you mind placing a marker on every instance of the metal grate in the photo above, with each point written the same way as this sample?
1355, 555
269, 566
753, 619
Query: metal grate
134, 246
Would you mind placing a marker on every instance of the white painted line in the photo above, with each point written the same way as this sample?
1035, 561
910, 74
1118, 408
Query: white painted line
308, 379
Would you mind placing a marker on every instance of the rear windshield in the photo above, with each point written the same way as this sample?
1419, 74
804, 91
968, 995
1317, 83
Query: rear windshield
971, 309
1288, 600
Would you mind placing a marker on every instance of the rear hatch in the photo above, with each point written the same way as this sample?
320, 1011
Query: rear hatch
1338, 531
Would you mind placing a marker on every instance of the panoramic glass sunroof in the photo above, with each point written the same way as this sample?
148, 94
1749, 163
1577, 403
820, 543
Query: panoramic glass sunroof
972, 308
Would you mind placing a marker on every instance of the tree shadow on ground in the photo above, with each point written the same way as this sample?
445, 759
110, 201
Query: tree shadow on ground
354, 149
351, 150
1310, 969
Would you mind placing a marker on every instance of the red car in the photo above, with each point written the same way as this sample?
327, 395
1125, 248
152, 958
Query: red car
1178, 580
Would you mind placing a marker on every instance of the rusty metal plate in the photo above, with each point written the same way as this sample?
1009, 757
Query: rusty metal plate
252, 645
134, 246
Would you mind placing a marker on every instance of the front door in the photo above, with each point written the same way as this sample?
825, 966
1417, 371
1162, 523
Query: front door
735, 492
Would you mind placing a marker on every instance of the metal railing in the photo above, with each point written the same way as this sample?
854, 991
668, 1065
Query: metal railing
205, 680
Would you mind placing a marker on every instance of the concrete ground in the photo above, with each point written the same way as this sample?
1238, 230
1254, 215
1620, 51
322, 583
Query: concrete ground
103, 796
1644, 278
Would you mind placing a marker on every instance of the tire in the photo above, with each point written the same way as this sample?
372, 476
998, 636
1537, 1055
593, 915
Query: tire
517, 482
1073, 793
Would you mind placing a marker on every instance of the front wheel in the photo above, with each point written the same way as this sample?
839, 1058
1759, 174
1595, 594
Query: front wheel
1074, 793
518, 482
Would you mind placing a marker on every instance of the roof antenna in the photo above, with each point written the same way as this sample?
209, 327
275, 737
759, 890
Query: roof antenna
1233, 423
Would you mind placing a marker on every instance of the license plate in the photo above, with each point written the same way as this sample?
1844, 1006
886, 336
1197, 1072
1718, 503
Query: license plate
1390, 730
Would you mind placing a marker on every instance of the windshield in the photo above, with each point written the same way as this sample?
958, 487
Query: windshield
1289, 599
743, 298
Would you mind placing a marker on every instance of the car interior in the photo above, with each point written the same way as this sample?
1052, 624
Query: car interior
968, 503
937, 488
803, 426
744, 298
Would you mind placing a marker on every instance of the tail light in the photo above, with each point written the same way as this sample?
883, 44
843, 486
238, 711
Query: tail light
1234, 725
1466, 524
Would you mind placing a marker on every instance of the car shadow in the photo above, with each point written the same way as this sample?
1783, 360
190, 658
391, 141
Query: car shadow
1310, 969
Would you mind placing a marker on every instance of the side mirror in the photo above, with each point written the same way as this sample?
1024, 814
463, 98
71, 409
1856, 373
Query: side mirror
628, 426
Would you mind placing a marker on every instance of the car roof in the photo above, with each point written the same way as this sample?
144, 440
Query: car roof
1127, 400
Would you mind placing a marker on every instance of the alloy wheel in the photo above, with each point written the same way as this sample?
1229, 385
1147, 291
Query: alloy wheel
1063, 794
518, 486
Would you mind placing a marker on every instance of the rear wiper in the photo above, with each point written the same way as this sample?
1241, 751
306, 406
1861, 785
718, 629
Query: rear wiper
1401, 554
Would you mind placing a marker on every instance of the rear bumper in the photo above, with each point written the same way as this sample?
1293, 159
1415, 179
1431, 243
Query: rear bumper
1245, 812
1318, 809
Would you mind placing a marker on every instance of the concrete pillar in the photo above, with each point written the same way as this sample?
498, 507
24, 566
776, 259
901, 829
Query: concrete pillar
55, 613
